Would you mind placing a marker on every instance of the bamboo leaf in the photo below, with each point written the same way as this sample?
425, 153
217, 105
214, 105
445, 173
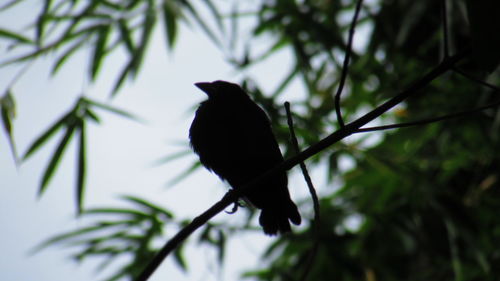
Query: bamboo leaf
125, 34
9, 5
125, 72
75, 47
89, 113
202, 23
148, 205
42, 21
99, 50
113, 110
14, 36
45, 136
184, 174
8, 112
81, 170
215, 13
54, 162
172, 156
170, 22
148, 25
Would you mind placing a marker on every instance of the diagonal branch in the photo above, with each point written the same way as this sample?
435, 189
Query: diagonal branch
336, 136
345, 67
429, 120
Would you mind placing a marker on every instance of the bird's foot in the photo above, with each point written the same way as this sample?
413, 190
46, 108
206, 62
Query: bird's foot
236, 205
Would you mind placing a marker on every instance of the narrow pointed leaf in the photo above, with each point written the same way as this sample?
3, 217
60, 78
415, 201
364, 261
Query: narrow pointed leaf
99, 50
54, 162
126, 36
184, 174
45, 136
81, 169
215, 13
147, 29
9, 5
113, 110
92, 115
172, 156
42, 21
8, 111
18, 37
170, 23
149, 205
125, 72
202, 23
71, 50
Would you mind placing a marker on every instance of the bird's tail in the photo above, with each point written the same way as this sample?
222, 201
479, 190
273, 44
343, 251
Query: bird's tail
275, 218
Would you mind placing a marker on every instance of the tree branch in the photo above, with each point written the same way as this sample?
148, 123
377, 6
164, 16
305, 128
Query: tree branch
336, 136
429, 120
345, 67
312, 191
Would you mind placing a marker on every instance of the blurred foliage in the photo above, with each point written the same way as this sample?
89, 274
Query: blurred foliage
419, 204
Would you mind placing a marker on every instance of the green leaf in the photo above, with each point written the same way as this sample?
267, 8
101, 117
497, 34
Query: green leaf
172, 156
125, 34
147, 29
8, 112
215, 13
184, 174
71, 50
113, 110
56, 157
9, 5
18, 37
118, 211
81, 169
179, 258
45, 136
99, 50
149, 205
91, 114
125, 72
170, 22
201, 23
42, 21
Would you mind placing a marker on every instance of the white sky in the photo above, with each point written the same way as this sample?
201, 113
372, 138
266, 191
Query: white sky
121, 154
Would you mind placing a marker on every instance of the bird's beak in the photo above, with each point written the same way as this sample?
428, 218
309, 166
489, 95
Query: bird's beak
206, 87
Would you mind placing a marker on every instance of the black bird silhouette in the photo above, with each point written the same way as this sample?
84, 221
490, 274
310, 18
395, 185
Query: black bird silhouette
233, 138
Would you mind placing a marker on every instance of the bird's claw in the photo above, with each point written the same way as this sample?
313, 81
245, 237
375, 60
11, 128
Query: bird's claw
236, 205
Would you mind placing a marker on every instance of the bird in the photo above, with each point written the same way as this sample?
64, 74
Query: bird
233, 138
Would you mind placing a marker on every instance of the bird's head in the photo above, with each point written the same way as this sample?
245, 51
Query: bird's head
221, 90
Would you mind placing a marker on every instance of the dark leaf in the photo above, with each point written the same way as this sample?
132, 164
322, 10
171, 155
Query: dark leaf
184, 174
56, 157
126, 36
71, 50
9, 5
14, 36
45, 136
170, 17
81, 168
112, 109
149, 205
99, 50
8, 112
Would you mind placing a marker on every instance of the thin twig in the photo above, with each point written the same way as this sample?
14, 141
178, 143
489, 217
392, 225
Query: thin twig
345, 67
430, 120
314, 196
444, 18
336, 136
477, 80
